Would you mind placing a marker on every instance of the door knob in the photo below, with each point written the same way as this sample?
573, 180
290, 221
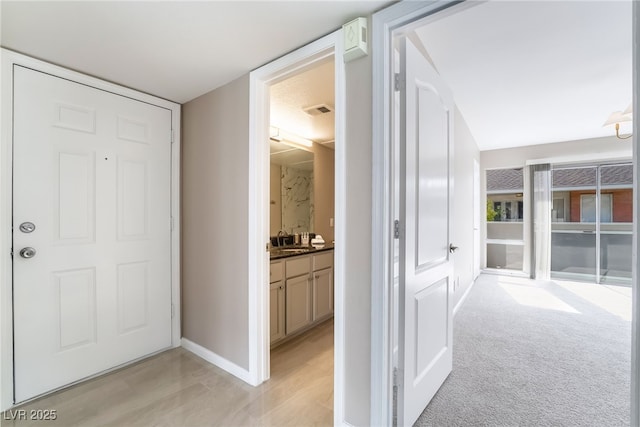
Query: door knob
27, 252
452, 248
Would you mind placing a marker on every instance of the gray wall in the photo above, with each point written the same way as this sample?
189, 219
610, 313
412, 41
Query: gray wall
465, 151
215, 203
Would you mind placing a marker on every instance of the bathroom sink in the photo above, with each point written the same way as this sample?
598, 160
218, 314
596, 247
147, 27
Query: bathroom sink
294, 250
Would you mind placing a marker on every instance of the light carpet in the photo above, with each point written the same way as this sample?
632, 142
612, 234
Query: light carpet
531, 353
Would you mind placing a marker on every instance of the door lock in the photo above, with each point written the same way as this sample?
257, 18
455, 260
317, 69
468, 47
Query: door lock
27, 252
27, 227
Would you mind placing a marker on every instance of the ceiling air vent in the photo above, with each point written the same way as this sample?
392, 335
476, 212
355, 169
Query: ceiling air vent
316, 110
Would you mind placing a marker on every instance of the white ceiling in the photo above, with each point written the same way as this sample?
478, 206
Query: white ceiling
288, 99
311, 87
172, 49
521, 72
526, 73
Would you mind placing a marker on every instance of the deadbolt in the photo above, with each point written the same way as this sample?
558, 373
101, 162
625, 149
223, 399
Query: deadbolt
27, 252
27, 227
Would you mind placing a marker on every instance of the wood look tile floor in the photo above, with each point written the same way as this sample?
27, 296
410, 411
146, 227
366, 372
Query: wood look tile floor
177, 388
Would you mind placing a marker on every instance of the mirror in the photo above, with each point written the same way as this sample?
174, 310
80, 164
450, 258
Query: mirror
291, 195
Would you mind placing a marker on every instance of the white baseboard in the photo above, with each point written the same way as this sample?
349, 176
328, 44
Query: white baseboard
464, 297
217, 360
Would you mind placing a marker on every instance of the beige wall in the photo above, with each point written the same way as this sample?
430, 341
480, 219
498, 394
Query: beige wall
323, 191
586, 150
215, 175
357, 246
214, 228
465, 151
275, 200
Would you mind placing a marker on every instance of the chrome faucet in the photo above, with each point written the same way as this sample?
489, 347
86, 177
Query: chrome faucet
282, 233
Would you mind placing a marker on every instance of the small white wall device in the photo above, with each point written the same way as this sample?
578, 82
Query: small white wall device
355, 39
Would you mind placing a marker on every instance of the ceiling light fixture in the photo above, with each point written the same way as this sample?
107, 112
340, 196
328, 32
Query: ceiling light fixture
618, 117
274, 134
283, 137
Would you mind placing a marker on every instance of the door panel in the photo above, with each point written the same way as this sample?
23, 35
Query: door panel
298, 305
425, 309
431, 326
322, 293
76, 307
75, 208
92, 171
431, 165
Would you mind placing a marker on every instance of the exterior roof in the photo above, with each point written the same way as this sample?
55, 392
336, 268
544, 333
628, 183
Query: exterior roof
511, 180
587, 177
505, 180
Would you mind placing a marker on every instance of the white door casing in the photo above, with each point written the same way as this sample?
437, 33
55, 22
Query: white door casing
260, 80
92, 171
426, 182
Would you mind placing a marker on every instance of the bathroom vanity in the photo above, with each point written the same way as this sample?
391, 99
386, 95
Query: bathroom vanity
301, 290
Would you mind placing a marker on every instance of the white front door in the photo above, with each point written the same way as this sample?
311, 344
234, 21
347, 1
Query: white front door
91, 236
425, 307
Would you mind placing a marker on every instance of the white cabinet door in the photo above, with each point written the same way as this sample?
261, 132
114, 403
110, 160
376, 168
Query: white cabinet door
92, 172
425, 312
276, 311
299, 311
322, 293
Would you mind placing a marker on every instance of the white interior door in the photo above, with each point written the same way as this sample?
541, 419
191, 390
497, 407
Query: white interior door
425, 311
476, 218
92, 175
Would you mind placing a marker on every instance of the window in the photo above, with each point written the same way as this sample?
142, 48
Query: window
588, 208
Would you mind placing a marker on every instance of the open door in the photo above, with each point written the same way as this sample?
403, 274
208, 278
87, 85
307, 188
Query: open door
425, 318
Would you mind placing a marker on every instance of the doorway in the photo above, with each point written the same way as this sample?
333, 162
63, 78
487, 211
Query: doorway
396, 19
261, 80
301, 203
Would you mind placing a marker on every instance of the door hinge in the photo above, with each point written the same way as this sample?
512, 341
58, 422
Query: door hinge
398, 82
395, 377
396, 229
173, 136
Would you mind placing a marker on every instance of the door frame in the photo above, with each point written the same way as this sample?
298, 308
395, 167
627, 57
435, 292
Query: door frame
259, 82
9, 60
387, 23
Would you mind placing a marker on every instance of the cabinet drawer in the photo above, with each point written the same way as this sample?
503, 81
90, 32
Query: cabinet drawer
323, 260
297, 266
275, 272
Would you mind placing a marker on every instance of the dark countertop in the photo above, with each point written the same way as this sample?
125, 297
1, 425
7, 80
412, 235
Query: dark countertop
278, 253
